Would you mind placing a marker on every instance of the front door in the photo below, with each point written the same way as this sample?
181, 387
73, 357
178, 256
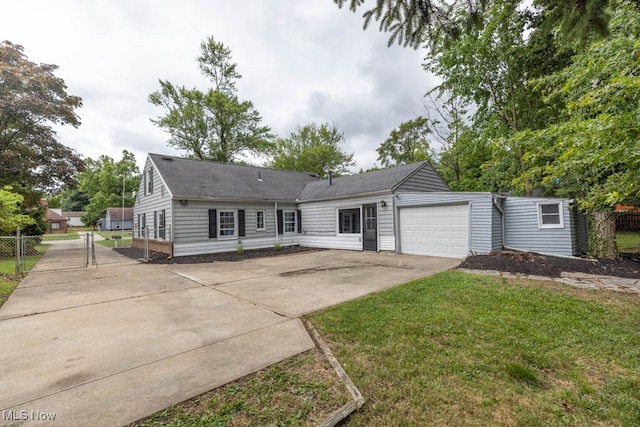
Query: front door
370, 228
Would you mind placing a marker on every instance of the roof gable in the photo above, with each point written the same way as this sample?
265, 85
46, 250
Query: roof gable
365, 183
202, 179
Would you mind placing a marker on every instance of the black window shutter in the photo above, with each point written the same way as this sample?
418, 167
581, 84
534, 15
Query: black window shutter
299, 212
241, 222
280, 221
213, 224
155, 224
145, 184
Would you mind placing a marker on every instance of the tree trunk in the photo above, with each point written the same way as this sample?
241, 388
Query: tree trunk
603, 236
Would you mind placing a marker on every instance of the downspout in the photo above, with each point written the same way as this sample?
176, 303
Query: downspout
396, 228
504, 236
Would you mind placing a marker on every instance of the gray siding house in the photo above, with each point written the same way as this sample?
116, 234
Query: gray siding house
186, 207
117, 219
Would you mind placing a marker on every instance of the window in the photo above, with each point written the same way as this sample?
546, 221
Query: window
227, 227
349, 221
162, 223
260, 225
149, 180
155, 224
290, 222
55, 226
550, 215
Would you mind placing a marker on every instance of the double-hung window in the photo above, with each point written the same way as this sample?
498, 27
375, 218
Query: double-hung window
290, 221
227, 225
550, 215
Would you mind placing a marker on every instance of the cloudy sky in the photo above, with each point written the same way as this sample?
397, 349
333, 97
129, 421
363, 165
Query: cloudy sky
300, 60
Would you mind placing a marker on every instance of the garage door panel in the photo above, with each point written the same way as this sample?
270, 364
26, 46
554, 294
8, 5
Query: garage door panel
435, 230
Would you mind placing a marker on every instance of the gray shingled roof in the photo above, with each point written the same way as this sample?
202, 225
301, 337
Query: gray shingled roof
115, 214
369, 182
189, 178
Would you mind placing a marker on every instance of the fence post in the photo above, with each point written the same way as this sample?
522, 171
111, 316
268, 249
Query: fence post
18, 252
146, 246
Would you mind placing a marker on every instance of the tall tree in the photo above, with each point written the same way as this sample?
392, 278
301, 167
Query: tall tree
32, 99
593, 151
408, 143
313, 148
212, 125
104, 181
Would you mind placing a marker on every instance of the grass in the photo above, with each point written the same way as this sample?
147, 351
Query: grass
299, 391
110, 234
457, 349
628, 241
70, 235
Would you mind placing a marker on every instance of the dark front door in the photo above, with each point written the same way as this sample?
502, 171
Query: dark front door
370, 227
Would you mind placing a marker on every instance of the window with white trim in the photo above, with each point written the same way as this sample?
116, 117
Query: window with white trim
149, 181
290, 222
260, 223
550, 215
349, 221
227, 224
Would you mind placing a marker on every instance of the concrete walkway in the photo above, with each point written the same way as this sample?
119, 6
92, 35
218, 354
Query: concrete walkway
577, 280
107, 346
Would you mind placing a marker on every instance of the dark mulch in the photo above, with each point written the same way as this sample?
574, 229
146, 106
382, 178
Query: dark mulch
627, 266
157, 258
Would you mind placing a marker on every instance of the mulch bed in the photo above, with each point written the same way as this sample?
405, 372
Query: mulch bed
158, 258
627, 266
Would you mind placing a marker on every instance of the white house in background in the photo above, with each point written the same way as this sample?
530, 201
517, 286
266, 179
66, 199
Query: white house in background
114, 220
186, 207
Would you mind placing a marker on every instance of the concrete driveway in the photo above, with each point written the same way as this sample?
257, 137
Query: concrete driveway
108, 346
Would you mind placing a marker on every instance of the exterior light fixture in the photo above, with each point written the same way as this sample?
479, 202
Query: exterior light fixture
382, 203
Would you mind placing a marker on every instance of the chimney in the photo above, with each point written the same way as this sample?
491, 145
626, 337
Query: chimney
330, 176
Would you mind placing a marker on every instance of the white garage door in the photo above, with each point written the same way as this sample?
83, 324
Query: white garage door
435, 230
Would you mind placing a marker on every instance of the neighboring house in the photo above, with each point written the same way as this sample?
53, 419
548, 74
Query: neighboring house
114, 220
57, 223
186, 207
74, 218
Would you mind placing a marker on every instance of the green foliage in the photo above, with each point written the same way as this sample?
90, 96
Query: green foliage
212, 125
312, 148
417, 22
102, 182
408, 143
32, 99
594, 147
10, 216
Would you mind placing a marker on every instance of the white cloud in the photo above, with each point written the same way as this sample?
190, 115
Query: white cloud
301, 61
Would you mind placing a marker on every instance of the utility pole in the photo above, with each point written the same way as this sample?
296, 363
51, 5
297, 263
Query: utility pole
124, 176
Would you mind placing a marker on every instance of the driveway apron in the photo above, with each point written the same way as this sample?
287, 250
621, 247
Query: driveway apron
107, 346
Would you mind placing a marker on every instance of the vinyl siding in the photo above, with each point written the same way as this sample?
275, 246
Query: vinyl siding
192, 220
424, 180
320, 224
481, 214
522, 232
579, 231
158, 200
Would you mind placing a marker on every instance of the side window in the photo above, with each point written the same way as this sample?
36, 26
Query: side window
550, 215
290, 223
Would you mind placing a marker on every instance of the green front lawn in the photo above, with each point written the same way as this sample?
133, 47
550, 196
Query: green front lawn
7, 285
71, 235
628, 241
111, 243
458, 349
